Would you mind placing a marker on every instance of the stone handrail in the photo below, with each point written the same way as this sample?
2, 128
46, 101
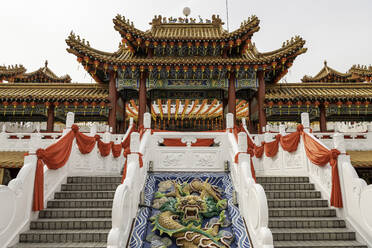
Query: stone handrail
127, 195
251, 196
17, 213
356, 195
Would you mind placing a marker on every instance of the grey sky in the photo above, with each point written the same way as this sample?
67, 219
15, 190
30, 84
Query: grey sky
336, 30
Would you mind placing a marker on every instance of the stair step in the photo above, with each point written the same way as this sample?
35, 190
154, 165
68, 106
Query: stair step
282, 179
297, 203
108, 179
80, 203
55, 236
291, 222
84, 195
319, 244
62, 245
286, 234
89, 187
75, 213
302, 212
294, 194
287, 186
71, 224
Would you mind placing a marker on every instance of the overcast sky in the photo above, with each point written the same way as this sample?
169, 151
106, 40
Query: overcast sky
339, 31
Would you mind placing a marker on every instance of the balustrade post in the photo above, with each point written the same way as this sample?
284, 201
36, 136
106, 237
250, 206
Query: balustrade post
147, 120
93, 130
305, 121
70, 118
282, 129
339, 142
229, 120
134, 142
242, 142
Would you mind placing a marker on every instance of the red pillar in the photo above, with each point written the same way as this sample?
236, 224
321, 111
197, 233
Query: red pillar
322, 118
113, 99
232, 98
50, 121
142, 99
261, 101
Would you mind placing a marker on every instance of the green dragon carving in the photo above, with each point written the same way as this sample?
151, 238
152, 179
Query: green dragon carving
182, 213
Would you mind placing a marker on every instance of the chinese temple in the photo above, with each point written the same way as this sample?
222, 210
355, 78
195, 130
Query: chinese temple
162, 181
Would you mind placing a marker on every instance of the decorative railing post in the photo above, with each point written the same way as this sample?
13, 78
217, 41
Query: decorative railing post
339, 142
147, 120
93, 130
305, 121
282, 129
70, 119
242, 142
229, 120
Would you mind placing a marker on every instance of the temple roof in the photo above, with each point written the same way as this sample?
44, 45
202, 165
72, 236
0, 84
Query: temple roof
11, 71
318, 91
361, 71
177, 29
125, 57
53, 91
328, 74
42, 75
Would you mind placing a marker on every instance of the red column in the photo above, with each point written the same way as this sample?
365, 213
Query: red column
232, 98
322, 118
50, 121
113, 99
142, 99
261, 100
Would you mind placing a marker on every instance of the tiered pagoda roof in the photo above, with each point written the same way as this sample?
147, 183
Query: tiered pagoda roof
11, 71
330, 75
182, 48
42, 75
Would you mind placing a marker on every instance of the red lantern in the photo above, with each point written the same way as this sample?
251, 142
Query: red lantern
79, 59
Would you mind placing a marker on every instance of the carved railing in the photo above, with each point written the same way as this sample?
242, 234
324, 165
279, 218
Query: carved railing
251, 196
127, 195
356, 195
18, 195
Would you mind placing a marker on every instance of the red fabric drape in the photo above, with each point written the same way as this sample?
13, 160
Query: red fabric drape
320, 156
236, 160
271, 148
259, 150
290, 142
177, 142
55, 156
104, 148
84, 142
116, 149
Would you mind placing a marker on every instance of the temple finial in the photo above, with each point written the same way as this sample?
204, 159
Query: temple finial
325, 63
46, 63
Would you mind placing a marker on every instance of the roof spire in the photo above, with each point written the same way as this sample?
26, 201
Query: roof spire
325, 63
46, 63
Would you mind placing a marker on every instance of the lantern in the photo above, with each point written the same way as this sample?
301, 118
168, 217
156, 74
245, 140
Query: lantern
94, 104
280, 104
105, 67
159, 68
151, 68
283, 60
289, 103
308, 103
115, 67
33, 104
129, 36
189, 44
24, 104
238, 43
211, 68
96, 64
358, 103
15, 103
56, 104
316, 104
214, 45
155, 44
163, 45
339, 105
167, 68
79, 59
47, 105
5, 104
194, 70
202, 70
366, 103
349, 103
76, 104
85, 104
231, 44
197, 45
147, 44
205, 44
102, 104
222, 44
271, 104
133, 69
299, 103
185, 68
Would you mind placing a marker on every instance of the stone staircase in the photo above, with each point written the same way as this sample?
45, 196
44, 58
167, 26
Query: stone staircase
299, 217
79, 216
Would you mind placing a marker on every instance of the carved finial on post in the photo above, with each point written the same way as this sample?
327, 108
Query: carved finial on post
38, 127
70, 118
229, 120
282, 129
339, 142
147, 120
134, 142
93, 130
242, 142
305, 121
